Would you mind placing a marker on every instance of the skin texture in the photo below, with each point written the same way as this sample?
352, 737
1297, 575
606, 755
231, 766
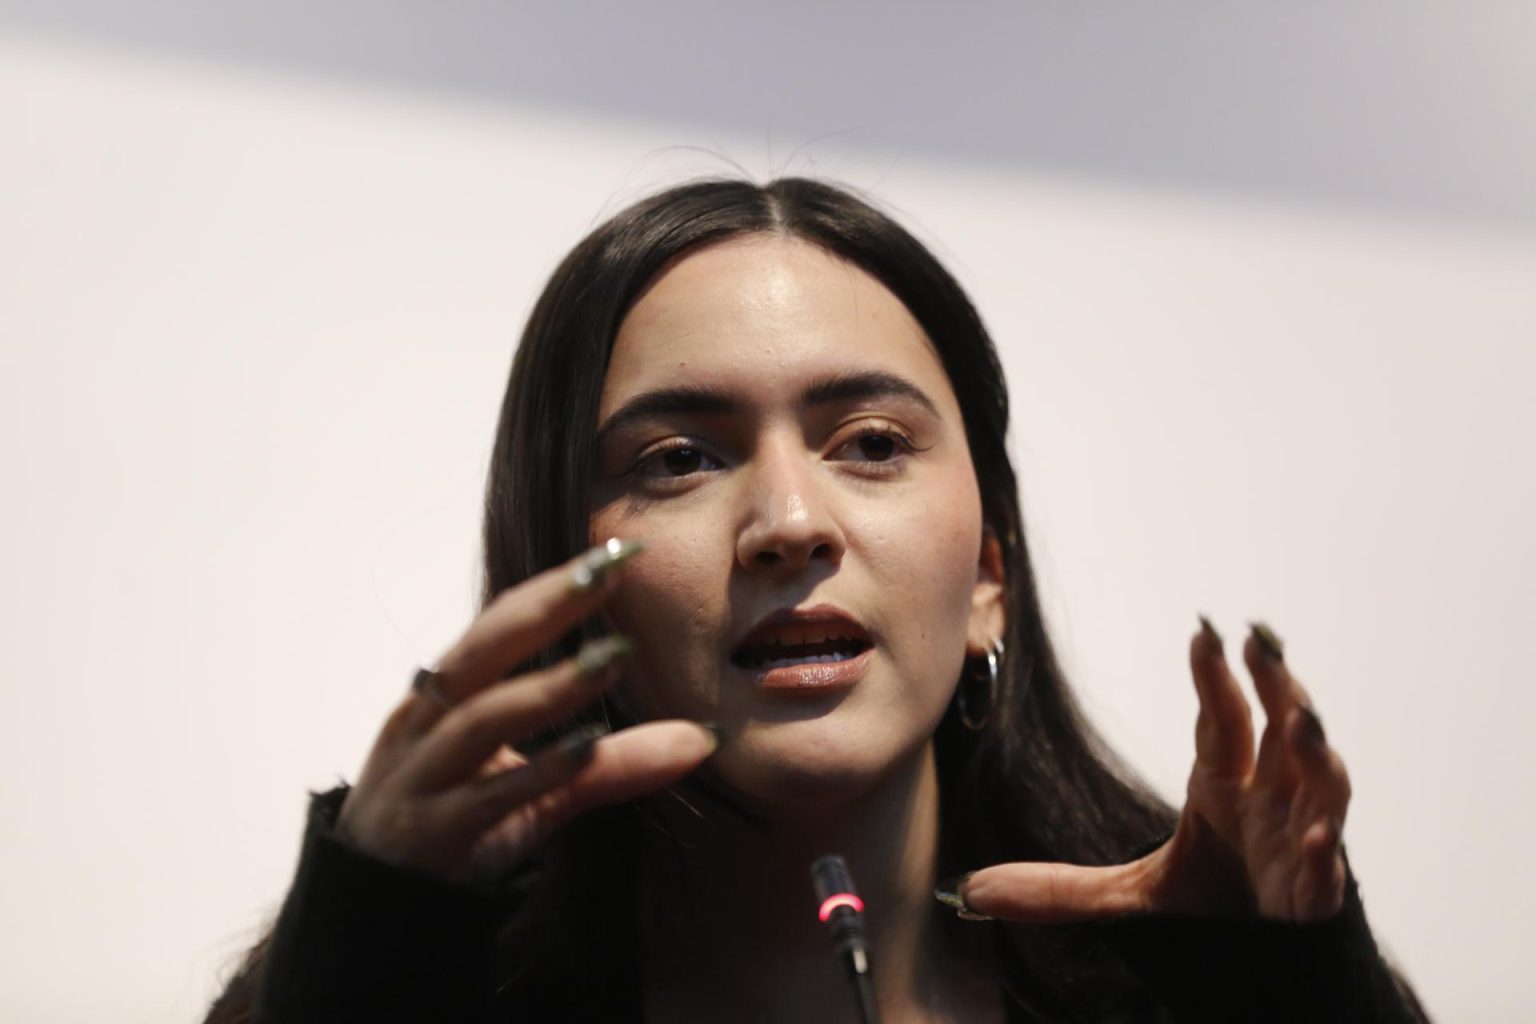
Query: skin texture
773, 503
763, 500
1262, 827
442, 790
781, 504
787, 504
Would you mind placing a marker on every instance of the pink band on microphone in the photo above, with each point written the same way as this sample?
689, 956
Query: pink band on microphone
842, 899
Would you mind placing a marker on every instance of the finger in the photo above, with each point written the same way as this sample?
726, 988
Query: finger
1320, 886
526, 618
1056, 893
487, 799
393, 740
626, 765
472, 732
1279, 693
1224, 728
382, 762
1278, 690
1276, 769
1316, 822
1325, 789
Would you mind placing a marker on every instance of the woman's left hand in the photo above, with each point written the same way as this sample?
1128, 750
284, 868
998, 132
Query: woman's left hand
1256, 837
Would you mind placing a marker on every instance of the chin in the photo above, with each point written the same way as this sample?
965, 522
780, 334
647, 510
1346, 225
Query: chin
801, 766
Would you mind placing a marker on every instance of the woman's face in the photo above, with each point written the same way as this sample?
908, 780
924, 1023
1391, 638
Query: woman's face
779, 431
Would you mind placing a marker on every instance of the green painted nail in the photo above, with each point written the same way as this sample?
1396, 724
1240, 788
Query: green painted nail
1210, 632
577, 748
596, 565
716, 729
596, 657
1269, 643
951, 893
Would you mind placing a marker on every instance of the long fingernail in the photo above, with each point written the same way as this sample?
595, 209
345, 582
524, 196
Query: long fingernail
715, 730
596, 565
1209, 631
1311, 727
1269, 643
951, 893
596, 657
577, 748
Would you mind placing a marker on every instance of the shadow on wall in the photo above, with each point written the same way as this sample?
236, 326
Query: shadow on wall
1419, 109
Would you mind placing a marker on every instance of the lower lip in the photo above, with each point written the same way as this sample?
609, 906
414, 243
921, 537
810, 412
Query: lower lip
812, 677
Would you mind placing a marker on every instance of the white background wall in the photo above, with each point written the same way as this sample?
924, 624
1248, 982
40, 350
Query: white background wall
1265, 283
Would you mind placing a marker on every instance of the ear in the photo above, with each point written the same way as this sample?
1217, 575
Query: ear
988, 607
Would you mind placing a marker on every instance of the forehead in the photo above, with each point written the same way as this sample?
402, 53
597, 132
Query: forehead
766, 313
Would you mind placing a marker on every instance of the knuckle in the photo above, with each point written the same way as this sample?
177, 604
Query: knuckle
387, 829
398, 724
469, 649
478, 724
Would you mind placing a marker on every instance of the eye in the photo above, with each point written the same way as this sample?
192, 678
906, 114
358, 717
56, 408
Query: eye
877, 445
670, 463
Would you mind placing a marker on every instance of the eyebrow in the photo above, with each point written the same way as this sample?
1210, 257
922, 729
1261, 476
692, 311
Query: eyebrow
699, 400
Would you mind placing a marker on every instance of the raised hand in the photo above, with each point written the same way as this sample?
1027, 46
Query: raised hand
1257, 836
444, 792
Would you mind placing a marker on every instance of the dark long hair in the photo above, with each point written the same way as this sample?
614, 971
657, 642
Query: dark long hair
1035, 783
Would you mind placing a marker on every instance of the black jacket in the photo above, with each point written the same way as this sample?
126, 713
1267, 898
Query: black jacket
359, 940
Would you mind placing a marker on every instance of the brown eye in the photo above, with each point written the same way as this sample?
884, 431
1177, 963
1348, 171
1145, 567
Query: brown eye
676, 462
877, 447
681, 461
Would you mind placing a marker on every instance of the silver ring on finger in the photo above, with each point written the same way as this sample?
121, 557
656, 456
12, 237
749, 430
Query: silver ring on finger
428, 683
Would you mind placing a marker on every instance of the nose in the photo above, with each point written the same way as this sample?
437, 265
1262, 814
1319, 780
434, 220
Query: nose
790, 523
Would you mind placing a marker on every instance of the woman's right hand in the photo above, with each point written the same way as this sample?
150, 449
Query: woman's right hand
444, 792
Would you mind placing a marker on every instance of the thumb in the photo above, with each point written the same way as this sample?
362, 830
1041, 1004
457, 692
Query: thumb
628, 764
622, 766
1040, 893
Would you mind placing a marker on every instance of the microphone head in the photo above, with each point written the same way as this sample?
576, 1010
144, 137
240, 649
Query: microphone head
831, 876
834, 886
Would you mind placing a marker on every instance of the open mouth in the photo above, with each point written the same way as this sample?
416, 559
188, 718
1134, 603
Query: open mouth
790, 645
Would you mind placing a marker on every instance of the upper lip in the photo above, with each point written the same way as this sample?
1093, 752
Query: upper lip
821, 615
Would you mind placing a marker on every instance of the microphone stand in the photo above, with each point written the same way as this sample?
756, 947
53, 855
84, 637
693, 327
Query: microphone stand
840, 908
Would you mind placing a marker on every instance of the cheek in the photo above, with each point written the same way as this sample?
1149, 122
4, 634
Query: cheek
923, 556
655, 593
669, 603
930, 543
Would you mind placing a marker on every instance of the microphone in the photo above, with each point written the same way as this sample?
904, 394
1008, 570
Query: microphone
841, 910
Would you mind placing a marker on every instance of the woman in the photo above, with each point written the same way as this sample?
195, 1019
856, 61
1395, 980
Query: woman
792, 422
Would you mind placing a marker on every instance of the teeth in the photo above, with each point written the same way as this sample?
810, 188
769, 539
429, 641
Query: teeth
802, 644
796, 636
811, 660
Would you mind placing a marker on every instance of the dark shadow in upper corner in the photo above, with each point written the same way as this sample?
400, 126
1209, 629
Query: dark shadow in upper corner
1425, 114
